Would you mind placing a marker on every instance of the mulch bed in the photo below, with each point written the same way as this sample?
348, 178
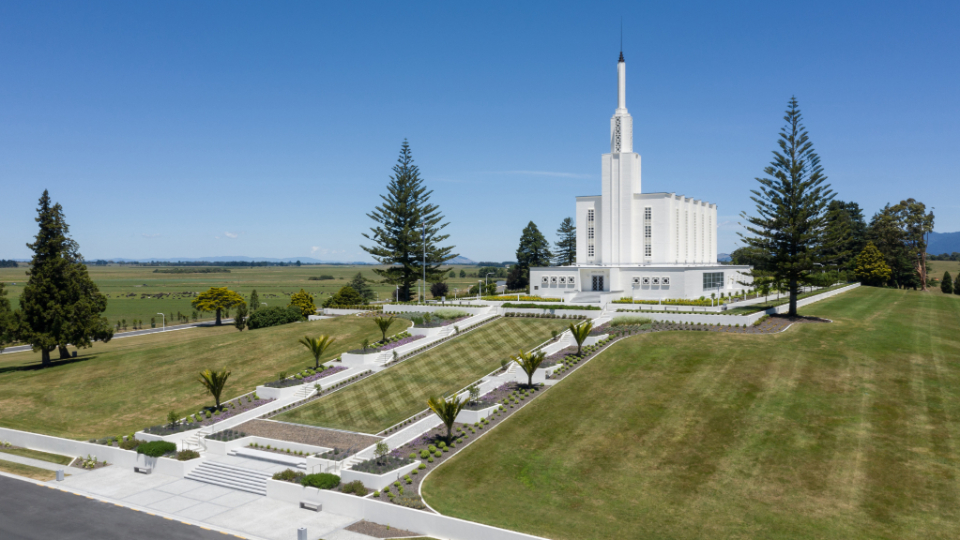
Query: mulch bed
294, 433
437, 434
377, 530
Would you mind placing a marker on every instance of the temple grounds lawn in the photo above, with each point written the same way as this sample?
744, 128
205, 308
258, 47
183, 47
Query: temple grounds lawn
402, 391
827, 431
128, 384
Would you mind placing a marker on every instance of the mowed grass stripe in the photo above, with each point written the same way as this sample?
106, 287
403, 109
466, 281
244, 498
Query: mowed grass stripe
401, 391
844, 430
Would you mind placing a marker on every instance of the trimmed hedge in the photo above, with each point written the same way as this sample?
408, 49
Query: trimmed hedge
321, 480
156, 448
274, 316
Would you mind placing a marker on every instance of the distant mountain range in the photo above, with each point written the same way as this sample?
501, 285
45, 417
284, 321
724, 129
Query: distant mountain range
940, 243
240, 258
723, 257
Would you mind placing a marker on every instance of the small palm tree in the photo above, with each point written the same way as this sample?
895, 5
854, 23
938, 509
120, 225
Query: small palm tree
529, 362
317, 346
383, 323
447, 411
214, 381
580, 333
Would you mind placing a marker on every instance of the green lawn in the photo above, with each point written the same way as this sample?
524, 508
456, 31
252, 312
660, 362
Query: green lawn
119, 387
27, 471
401, 391
827, 431
37, 454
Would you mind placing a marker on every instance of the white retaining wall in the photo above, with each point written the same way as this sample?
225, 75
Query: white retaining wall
423, 309
589, 313
397, 516
222, 448
377, 481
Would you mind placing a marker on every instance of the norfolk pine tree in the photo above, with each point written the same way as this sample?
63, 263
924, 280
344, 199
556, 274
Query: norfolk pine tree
791, 209
60, 304
566, 247
399, 237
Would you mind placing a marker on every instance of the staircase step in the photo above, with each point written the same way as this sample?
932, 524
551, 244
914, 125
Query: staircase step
229, 475
235, 468
223, 480
230, 485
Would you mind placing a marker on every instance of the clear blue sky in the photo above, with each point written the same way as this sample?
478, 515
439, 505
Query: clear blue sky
193, 129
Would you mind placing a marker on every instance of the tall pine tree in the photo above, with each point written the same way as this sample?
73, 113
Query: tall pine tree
791, 209
566, 247
60, 304
406, 221
534, 251
254, 301
6, 319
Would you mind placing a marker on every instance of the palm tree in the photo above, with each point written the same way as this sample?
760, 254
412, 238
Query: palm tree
317, 346
384, 324
580, 333
447, 411
214, 381
529, 362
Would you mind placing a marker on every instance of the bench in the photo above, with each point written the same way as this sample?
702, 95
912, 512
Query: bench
315, 506
143, 470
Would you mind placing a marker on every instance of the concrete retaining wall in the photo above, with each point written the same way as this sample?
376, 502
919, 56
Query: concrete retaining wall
589, 313
378, 481
394, 308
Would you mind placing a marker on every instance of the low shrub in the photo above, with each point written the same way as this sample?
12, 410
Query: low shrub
274, 316
630, 320
289, 475
131, 444
185, 455
156, 448
356, 487
322, 481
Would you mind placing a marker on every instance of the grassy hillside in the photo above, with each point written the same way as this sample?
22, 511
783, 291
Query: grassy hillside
119, 387
400, 392
828, 431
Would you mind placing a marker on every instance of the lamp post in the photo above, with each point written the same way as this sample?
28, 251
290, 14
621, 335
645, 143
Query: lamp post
479, 287
164, 322
423, 225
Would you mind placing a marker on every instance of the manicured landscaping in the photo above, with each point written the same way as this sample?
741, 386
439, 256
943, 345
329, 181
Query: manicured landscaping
836, 430
27, 471
36, 454
401, 391
123, 386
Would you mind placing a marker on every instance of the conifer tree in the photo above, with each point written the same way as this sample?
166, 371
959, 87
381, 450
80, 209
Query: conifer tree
956, 285
405, 222
566, 247
871, 267
60, 304
360, 284
534, 251
254, 302
946, 286
791, 209
6, 319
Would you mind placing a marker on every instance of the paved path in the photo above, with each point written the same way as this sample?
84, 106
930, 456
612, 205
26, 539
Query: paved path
236, 512
133, 333
36, 512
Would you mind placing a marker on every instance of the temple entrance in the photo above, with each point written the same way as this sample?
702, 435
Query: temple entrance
597, 283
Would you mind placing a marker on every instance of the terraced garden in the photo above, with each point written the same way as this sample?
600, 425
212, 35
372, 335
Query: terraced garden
845, 430
401, 391
119, 387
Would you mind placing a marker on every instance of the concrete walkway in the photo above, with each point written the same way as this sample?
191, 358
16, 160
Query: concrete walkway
235, 512
40, 464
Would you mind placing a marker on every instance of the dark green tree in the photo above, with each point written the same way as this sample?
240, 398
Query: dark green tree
534, 251
791, 209
946, 285
887, 234
408, 230
240, 318
566, 247
60, 304
6, 319
916, 224
845, 216
362, 286
254, 302
346, 296
463, 273
956, 285
439, 289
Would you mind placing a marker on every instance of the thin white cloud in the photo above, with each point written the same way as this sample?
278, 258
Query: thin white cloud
547, 173
231, 235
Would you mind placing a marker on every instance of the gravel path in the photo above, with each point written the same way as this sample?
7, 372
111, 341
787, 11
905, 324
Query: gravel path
328, 438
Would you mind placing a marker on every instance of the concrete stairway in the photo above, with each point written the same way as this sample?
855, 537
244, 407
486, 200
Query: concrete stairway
229, 476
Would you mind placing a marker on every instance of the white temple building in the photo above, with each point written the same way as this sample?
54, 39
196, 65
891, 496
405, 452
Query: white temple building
630, 244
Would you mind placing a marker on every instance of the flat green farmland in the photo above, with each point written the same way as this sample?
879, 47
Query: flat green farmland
849, 430
136, 292
128, 384
399, 392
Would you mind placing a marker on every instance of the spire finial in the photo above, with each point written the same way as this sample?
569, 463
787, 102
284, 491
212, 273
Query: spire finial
621, 38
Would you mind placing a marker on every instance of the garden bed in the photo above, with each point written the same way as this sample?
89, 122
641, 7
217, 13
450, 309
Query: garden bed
391, 462
558, 356
302, 434
377, 530
208, 416
89, 463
